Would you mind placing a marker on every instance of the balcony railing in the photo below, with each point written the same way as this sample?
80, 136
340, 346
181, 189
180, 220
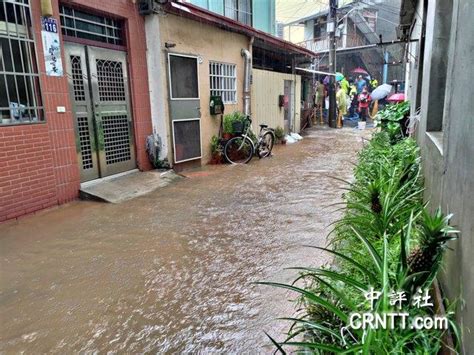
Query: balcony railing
322, 43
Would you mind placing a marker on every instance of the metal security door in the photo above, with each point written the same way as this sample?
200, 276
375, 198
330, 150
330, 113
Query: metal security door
185, 106
111, 107
98, 86
78, 78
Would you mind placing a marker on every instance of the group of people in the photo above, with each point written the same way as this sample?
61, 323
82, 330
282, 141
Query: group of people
351, 96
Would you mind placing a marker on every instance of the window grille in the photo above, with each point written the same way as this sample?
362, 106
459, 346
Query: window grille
320, 28
20, 98
80, 24
240, 10
223, 81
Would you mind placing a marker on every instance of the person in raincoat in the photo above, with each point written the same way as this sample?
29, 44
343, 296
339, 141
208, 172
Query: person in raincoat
345, 85
319, 100
341, 100
373, 84
364, 102
352, 97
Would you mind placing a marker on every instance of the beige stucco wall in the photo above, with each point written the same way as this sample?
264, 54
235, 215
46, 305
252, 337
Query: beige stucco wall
210, 44
266, 87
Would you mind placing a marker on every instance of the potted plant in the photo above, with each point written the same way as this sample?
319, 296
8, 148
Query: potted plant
216, 151
280, 135
229, 122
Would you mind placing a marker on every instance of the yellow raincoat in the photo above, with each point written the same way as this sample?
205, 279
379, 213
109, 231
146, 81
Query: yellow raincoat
341, 99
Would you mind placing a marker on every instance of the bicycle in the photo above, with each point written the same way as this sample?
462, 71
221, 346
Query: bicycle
241, 149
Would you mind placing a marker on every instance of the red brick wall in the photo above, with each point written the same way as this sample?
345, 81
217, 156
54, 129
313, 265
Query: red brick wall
38, 162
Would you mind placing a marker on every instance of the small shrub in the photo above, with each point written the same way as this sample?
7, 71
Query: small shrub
393, 120
215, 144
230, 118
279, 133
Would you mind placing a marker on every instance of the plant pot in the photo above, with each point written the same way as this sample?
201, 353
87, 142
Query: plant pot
227, 136
216, 159
283, 141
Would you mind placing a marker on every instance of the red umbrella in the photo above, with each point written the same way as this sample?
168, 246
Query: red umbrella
397, 97
359, 70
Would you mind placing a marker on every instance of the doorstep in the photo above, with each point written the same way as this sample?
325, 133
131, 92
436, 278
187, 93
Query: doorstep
125, 186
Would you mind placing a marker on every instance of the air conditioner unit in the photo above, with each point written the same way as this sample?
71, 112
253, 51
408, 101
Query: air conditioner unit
147, 7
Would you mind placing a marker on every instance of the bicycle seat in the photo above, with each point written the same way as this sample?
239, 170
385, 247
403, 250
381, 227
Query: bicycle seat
263, 126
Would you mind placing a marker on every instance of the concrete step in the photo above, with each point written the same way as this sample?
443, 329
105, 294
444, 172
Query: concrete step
125, 186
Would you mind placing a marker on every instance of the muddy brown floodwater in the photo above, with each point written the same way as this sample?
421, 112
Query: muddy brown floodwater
172, 271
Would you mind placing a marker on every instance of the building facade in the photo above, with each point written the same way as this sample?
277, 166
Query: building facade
74, 99
268, 85
360, 27
259, 14
188, 64
84, 86
439, 79
183, 50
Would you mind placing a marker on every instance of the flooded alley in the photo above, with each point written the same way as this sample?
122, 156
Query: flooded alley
172, 271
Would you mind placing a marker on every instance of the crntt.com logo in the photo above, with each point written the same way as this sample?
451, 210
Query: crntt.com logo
392, 320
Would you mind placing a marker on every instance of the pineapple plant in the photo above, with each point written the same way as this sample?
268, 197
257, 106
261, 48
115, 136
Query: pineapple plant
435, 233
374, 192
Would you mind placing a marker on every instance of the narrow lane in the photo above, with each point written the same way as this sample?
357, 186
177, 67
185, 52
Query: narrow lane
172, 271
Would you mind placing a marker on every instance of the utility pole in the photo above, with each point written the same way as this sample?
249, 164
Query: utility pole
331, 29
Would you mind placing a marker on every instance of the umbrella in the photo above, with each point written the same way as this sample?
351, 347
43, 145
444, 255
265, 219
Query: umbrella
339, 77
397, 97
359, 70
381, 91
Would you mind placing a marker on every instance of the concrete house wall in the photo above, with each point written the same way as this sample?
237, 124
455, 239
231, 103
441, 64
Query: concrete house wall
445, 134
266, 87
194, 38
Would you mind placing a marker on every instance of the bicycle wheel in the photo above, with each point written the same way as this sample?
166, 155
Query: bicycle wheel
238, 150
266, 145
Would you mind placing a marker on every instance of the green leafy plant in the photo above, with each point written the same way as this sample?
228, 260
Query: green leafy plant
391, 120
434, 234
215, 144
216, 151
279, 133
328, 306
229, 120
386, 240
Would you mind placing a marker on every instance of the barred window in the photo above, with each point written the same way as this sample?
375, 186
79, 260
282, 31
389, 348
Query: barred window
20, 98
80, 24
223, 80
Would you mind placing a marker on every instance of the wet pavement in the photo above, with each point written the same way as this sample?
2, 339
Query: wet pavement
172, 271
